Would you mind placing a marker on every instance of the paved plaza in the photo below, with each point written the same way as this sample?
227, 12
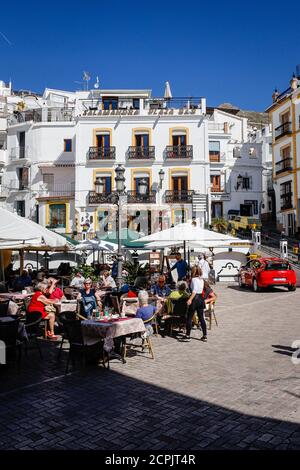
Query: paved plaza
240, 390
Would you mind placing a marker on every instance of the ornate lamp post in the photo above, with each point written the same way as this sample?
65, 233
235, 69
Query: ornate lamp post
116, 198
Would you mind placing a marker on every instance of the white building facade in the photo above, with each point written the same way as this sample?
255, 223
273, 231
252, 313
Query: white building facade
57, 151
240, 166
285, 118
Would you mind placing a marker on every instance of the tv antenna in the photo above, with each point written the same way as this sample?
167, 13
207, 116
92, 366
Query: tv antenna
86, 78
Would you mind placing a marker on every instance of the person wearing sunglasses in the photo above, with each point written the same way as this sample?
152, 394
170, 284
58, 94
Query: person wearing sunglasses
89, 298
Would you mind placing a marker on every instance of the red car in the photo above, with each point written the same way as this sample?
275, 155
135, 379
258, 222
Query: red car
260, 273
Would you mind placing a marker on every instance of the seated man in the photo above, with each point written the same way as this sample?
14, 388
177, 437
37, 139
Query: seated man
160, 289
77, 280
107, 281
22, 281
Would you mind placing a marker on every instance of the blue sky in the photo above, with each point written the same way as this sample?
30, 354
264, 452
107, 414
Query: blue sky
224, 51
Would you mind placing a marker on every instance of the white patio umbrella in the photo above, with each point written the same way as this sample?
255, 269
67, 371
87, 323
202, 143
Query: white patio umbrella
168, 93
188, 233
20, 233
97, 245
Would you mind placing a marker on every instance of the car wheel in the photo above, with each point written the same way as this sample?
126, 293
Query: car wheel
241, 284
255, 285
292, 288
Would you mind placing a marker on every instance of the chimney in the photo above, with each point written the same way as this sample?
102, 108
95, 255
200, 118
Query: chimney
275, 95
294, 82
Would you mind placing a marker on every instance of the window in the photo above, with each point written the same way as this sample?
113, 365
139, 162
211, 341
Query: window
180, 183
285, 117
103, 140
179, 216
103, 221
20, 208
136, 103
48, 181
22, 144
214, 151
2, 140
67, 145
107, 182
141, 140
23, 175
286, 195
286, 156
215, 183
178, 140
237, 152
109, 103
57, 216
247, 182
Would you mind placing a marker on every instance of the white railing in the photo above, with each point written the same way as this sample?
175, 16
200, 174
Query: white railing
18, 153
57, 189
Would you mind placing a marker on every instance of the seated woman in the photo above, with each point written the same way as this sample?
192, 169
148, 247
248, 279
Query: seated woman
39, 302
89, 297
145, 311
208, 295
54, 292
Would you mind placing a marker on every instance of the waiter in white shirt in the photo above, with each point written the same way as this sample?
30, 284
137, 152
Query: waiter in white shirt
205, 268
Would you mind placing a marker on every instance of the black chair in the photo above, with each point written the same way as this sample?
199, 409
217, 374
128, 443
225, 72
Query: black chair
178, 315
4, 308
9, 335
32, 325
77, 346
3, 287
63, 320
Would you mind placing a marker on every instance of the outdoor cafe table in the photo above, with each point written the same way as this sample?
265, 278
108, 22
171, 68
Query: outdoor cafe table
14, 295
66, 306
95, 330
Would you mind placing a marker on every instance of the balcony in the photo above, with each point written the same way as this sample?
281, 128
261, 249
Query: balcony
42, 115
57, 190
141, 153
283, 165
101, 153
19, 153
283, 129
179, 151
184, 196
96, 198
133, 197
286, 202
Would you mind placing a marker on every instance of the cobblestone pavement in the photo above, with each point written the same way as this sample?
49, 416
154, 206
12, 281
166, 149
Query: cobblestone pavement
240, 390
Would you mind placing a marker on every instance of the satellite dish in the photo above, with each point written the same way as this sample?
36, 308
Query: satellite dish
96, 85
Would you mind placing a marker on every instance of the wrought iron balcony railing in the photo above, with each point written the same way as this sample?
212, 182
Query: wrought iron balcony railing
95, 198
101, 153
133, 197
179, 151
141, 153
283, 165
283, 129
184, 196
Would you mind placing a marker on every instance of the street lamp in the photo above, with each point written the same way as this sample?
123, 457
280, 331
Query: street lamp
142, 187
99, 185
161, 175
